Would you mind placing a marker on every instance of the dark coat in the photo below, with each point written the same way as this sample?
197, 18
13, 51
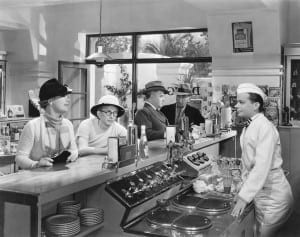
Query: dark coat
192, 113
155, 122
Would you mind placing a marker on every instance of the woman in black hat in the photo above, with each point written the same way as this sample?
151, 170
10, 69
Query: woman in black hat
93, 133
49, 135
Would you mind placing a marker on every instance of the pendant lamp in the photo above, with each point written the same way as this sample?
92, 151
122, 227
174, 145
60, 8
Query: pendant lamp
99, 56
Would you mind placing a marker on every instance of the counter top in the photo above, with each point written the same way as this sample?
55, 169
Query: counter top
207, 141
51, 183
288, 127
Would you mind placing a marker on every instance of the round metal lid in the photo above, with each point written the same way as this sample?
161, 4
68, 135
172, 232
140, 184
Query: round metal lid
186, 202
162, 217
192, 223
213, 206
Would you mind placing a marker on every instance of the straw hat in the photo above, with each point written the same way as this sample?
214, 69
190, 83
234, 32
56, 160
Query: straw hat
184, 89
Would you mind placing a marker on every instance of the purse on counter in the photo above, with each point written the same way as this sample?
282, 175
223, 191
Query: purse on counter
61, 158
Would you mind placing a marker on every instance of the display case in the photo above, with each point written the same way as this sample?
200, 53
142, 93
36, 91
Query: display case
10, 132
292, 85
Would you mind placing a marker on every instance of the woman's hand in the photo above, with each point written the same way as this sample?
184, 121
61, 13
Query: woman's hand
73, 156
239, 207
45, 161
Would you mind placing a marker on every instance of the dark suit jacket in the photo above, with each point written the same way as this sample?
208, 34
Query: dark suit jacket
155, 122
192, 113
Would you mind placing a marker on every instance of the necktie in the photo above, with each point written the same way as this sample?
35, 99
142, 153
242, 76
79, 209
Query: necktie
247, 123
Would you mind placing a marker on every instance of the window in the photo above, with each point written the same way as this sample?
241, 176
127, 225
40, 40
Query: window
117, 46
170, 56
174, 45
75, 75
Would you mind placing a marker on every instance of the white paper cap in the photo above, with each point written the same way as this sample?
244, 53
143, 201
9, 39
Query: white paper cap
250, 88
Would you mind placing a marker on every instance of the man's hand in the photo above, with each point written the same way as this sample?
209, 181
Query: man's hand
239, 207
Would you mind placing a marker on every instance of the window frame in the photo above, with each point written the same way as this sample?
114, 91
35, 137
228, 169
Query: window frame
84, 93
135, 60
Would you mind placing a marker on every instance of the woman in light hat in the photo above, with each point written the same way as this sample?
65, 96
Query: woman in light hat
50, 134
93, 133
263, 179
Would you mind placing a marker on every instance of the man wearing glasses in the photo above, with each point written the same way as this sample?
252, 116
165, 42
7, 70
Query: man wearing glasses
93, 133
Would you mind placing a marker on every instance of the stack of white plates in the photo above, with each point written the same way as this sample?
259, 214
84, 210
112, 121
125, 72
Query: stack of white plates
62, 225
68, 207
91, 216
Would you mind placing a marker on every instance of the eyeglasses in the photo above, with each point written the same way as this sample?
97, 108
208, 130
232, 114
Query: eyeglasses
110, 113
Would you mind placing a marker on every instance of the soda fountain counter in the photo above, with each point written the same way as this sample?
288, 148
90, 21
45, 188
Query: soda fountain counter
126, 195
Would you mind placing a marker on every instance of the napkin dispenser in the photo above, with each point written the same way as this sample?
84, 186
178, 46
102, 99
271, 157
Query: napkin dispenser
120, 153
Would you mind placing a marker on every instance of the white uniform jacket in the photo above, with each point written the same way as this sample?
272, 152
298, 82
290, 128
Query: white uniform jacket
263, 177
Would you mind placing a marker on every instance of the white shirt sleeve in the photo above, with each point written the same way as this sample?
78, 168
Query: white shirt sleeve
122, 131
25, 146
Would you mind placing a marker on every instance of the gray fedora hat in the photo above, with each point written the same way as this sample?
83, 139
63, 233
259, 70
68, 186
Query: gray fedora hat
155, 86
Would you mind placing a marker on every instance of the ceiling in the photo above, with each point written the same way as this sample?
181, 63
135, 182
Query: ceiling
204, 5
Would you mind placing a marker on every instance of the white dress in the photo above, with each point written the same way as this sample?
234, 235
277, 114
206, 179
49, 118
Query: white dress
264, 180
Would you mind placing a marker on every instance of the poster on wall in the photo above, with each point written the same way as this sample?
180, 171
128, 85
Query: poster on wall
242, 37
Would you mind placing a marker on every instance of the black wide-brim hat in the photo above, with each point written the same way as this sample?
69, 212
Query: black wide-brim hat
53, 88
108, 100
155, 86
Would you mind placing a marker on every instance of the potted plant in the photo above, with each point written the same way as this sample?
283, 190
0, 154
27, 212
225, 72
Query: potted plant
122, 91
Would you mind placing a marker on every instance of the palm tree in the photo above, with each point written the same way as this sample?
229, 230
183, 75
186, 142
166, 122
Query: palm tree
169, 45
182, 45
178, 45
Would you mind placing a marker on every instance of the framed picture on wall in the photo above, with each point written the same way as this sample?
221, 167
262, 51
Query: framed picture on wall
274, 92
242, 37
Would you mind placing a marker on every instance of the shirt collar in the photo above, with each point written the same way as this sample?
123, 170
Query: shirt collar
151, 105
256, 116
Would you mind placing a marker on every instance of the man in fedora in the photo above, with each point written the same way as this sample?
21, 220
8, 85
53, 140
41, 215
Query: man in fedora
173, 111
150, 116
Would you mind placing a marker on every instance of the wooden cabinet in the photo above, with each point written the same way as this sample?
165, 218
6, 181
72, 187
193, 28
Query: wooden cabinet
7, 164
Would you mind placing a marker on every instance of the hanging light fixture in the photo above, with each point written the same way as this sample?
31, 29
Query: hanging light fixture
99, 56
